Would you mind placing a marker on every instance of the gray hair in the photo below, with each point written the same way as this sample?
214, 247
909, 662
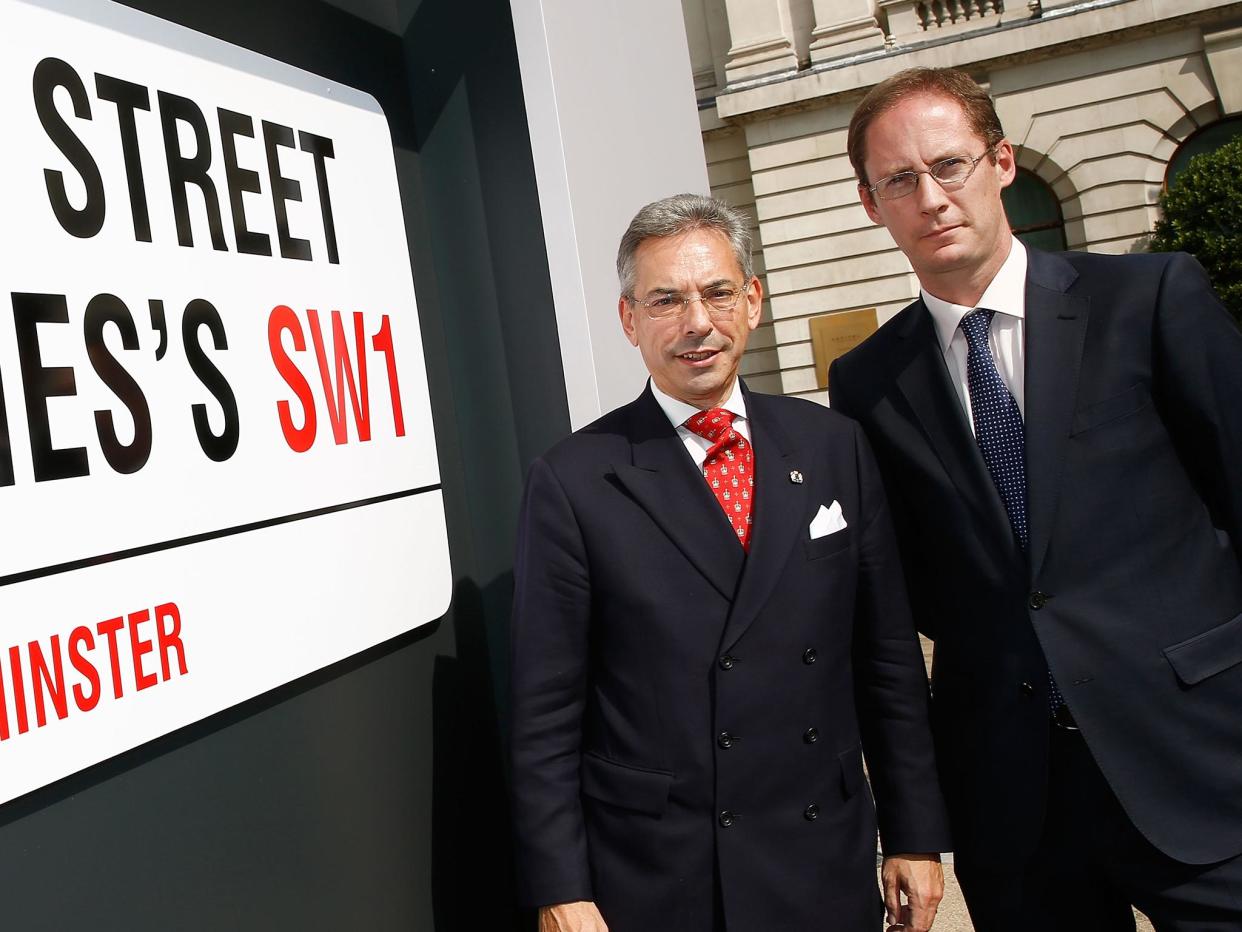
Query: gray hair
678, 214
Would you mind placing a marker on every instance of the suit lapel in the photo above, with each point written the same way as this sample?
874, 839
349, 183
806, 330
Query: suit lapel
924, 380
1056, 328
780, 508
663, 481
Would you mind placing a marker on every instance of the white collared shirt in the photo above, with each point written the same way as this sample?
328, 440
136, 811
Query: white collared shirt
678, 412
1006, 295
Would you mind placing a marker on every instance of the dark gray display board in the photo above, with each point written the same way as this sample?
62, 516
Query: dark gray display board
370, 795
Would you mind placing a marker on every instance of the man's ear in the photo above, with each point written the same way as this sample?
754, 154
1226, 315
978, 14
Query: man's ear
754, 304
628, 325
868, 202
1006, 163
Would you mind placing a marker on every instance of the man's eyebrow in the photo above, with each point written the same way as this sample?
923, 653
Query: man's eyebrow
900, 170
910, 168
715, 283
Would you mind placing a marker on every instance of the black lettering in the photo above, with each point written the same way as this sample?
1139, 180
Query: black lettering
320, 147
159, 325
124, 458
197, 313
42, 383
184, 171
283, 189
241, 181
6, 453
128, 98
50, 74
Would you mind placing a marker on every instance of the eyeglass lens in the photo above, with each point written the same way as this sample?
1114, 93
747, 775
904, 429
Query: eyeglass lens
949, 172
717, 301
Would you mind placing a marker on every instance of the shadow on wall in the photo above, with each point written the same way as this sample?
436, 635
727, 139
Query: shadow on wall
472, 859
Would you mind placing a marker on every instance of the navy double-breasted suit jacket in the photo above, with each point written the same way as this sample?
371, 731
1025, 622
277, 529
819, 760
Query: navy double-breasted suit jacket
681, 708
1131, 591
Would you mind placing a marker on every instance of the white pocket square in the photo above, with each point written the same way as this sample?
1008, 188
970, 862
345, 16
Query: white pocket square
828, 520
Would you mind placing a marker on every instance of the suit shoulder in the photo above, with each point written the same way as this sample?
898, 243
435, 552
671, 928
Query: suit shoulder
879, 345
800, 414
599, 436
1132, 281
1112, 264
604, 441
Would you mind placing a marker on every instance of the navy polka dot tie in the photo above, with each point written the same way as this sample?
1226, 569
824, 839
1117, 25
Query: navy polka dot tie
998, 422
998, 431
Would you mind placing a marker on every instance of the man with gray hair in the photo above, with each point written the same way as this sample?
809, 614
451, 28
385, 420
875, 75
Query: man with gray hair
709, 632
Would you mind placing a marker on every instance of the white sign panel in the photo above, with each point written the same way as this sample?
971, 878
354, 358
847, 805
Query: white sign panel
217, 465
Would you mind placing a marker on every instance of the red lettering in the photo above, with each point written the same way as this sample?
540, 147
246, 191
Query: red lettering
84, 667
4, 711
170, 638
138, 648
108, 629
19, 689
358, 394
52, 682
382, 343
282, 318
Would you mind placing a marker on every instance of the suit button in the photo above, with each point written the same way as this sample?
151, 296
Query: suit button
1027, 689
808, 656
725, 740
1037, 600
811, 812
726, 662
810, 736
726, 818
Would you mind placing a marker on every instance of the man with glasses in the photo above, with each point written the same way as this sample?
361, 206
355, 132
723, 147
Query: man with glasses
709, 630
1061, 442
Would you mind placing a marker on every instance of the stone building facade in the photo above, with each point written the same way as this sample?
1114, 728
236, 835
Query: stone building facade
1098, 97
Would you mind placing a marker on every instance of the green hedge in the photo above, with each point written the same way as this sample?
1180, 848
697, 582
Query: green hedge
1201, 213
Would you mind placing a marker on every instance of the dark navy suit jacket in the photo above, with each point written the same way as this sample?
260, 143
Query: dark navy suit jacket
1131, 592
680, 708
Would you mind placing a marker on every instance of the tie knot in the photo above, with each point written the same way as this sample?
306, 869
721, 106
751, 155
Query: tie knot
975, 327
711, 424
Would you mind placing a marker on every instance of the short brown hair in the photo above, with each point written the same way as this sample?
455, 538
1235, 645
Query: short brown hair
945, 82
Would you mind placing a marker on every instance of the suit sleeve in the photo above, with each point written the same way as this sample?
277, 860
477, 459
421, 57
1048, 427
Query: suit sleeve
898, 511
549, 644
1199, 388
891, 685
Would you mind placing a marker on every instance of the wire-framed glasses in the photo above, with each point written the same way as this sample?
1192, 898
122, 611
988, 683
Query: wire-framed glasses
950, 173
718, 300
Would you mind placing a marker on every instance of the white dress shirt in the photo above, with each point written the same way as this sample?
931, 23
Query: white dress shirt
1006, 295
678, 412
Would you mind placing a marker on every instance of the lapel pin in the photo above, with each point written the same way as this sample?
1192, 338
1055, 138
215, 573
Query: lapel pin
795, 477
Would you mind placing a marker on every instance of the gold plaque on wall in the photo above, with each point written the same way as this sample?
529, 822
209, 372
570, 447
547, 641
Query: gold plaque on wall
834, 335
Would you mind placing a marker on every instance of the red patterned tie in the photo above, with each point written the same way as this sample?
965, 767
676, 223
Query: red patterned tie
729, 468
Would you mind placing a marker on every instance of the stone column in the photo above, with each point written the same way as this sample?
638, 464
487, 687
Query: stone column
762, 37
904, 23
699, 39
1224, 56
844, 27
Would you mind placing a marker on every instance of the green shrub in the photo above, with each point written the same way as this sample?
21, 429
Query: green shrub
1201, 213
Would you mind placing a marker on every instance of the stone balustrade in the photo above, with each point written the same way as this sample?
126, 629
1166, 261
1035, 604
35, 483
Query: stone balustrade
940, 13
912, 21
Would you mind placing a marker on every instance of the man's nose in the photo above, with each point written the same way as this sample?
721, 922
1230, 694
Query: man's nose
931, 196
697, 319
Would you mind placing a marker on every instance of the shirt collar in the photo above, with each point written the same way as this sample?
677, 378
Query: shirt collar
1005, 294
678, 412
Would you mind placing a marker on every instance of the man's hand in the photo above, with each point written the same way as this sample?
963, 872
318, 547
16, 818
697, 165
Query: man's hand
921, 878
572, 917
